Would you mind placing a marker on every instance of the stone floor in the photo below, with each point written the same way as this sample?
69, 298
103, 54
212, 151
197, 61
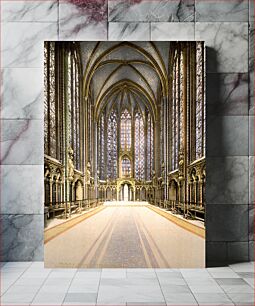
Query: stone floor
125, 236
27, 283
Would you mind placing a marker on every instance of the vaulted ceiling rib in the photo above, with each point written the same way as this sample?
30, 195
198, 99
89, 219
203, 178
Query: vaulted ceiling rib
125, 73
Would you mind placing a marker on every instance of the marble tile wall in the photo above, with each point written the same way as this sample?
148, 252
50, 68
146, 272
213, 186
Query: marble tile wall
227, 28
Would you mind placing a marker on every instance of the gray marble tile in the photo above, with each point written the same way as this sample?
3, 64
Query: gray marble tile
180, 299
22, 43
216, 253
173, 31
22, 93
237, 289
251, 135
234, 10
227, 180
251, 68
227, 136
45, 298
194, 276
125, 293
251, 250
23, 10
23, 297
22, 237
238, 251
205, 288
143, 294
246, 275
84, 285
242, 298
81, 298
169, 289
227, 223
82, 20
251, 222
227, 94
21, 142
251, 180
153, 10
242, 267
210, 298
226, 43
128, 31
22, 189
251, 10
250, 281
251, 92
113, 273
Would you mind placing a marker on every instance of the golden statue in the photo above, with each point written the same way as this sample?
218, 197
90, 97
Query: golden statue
70, 164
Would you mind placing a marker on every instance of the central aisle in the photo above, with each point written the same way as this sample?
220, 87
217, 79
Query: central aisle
126, 237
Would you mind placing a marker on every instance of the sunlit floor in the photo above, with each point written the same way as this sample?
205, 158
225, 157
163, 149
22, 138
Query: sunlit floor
126, 237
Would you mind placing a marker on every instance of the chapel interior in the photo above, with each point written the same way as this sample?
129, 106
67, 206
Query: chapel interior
124, 124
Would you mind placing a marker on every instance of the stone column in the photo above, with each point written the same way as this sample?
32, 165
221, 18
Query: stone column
51, 183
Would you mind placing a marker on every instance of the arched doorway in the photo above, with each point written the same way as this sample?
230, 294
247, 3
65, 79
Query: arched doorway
78, 191
126, 192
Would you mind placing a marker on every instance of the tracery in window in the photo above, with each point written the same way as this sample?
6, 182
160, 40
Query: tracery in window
112, 146
126, 167
200, 105
125, 128
73, 106
181, 98
62, 124
139, 147
46, 108
50, 126
175, 114
101, 146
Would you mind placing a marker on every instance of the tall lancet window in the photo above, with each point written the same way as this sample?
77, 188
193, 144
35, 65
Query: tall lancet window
112, 146
139, 147
50, 126
125, 130
175, 113
101, 146
149, 147
73, 106
126, 167
200, 102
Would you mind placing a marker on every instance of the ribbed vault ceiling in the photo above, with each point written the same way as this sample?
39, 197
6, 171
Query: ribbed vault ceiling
124, 74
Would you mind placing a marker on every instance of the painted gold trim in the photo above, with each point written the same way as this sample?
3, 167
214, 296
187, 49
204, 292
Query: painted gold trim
193, 228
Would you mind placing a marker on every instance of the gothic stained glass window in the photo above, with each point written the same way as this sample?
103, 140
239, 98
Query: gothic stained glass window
112, 146
126, 167
101, 147
139, 147
46, 108
200, 105
76, 120
125, 128
175, 114
181, 101
69, 102
50, 125
149, 147
73, 106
